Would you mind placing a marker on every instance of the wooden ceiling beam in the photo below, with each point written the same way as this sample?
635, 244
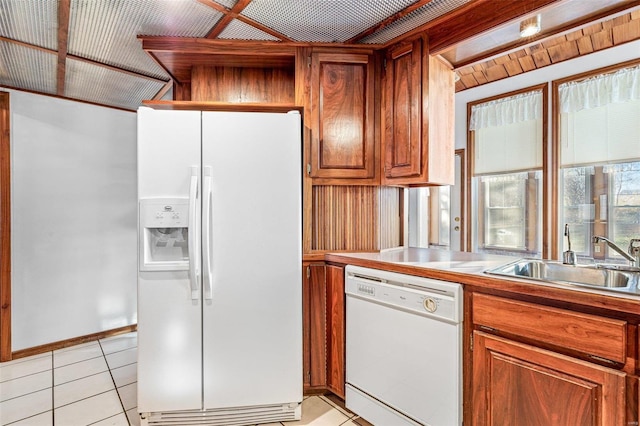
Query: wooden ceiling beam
163, 91
235, 13
475, 18
548, 34
64, 8
227, 18
79, 58
264, 28
388, 21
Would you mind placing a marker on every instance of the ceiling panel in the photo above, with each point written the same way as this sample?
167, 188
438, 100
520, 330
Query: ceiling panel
15, 59
238, 30
418, 17
105, 86
30, 21
322, 21
106, 30
227, 3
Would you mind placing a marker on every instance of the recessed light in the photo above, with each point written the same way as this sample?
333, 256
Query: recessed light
530, 26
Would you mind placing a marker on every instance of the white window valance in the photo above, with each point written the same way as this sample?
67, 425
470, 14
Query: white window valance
620, 86
505, 111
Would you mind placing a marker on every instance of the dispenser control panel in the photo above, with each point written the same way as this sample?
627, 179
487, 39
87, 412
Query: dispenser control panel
167, 213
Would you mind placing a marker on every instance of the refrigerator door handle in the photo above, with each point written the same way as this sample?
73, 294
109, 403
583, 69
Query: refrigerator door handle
193, 234
207, 219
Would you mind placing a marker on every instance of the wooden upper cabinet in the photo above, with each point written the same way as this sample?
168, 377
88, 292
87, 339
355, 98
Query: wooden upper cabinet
403, 85
342, 118
418, 117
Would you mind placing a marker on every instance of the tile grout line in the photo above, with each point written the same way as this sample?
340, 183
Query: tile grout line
115, 386
53, 412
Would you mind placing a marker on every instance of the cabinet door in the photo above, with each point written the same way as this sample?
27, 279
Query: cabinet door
336, 330
418, 117
514, 383
314, 325
342, 116
403, 129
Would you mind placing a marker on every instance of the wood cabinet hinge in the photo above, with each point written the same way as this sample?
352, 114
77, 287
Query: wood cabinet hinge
471, 342
308, 272
308, 61
308, 377
384, 63
309, 169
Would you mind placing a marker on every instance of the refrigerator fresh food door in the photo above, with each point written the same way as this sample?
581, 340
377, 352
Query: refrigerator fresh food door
252, 312
169, 317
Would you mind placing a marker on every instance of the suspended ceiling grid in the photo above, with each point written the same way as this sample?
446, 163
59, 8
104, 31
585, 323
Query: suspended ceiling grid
90, 50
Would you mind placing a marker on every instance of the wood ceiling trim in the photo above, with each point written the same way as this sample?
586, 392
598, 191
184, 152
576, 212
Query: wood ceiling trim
391, 19
263, 28
474, 18
64, 8
238, 47
163, 91
594, 37
545, 36
30, 46
227, 18
79, 58
117, 69
234, 13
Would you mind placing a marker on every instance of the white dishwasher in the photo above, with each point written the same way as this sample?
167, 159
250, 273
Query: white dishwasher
403, 348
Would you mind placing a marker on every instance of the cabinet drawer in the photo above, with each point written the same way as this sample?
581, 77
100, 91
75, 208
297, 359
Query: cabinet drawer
590, 334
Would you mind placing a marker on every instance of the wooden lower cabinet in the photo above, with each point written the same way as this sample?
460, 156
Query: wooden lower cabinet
518, 384
335, 330
314, 326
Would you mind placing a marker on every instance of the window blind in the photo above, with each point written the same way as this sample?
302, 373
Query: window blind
508, 134
600, 119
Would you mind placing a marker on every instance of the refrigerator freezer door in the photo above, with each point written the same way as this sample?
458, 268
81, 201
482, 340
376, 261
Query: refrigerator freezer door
169, 321
252, 326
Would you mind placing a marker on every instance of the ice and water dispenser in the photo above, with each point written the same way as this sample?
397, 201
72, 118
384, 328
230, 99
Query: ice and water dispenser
164, 225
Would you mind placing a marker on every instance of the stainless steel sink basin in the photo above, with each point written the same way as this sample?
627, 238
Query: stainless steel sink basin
611, 277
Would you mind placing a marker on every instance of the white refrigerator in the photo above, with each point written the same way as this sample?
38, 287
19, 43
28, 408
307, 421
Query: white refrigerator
220, 255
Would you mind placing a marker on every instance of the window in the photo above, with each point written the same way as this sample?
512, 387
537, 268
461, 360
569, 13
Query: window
578, 211
429, 217
599, 156
507, 137
624, 205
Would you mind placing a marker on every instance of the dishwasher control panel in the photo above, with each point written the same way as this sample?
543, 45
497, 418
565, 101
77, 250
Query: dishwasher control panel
424, 296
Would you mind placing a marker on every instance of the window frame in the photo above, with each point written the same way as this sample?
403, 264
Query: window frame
555, 169
472, 190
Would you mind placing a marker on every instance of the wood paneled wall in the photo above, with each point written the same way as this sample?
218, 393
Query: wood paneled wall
237, 85
358, 218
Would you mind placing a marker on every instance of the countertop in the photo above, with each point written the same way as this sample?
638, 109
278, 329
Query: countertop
469, 270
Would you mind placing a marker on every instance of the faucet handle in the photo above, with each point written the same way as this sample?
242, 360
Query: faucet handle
634, 247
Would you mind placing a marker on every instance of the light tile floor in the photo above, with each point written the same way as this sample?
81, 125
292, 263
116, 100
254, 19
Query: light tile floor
95, 384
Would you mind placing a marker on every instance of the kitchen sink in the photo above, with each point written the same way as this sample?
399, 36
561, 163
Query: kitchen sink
609, 277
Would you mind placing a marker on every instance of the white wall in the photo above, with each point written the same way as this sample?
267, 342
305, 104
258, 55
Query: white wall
579, 65
73, 219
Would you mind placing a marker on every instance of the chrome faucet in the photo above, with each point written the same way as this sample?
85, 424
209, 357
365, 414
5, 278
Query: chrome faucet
634, 249
568, 257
